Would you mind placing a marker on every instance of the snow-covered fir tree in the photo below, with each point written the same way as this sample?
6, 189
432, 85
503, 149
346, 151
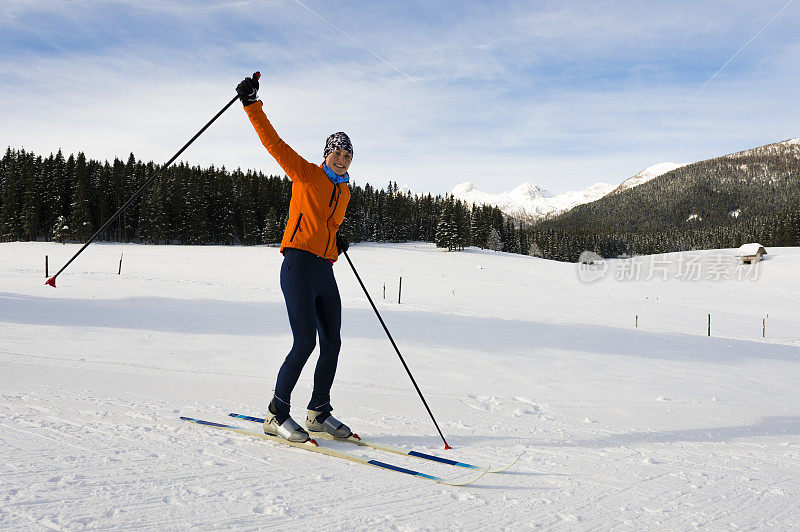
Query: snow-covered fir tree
80, 219
447, 229
494, 242
61, 231
273, 231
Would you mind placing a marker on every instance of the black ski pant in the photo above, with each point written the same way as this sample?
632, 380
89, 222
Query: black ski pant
314, 307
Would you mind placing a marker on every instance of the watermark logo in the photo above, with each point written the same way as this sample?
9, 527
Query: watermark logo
684, 266
591, 267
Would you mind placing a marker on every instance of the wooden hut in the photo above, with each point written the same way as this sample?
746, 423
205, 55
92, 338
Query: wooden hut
751, 253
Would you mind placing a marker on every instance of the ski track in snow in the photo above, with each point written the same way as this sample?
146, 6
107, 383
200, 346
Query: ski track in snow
656, 427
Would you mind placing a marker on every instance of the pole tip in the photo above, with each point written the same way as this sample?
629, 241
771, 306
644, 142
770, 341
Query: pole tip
51, 281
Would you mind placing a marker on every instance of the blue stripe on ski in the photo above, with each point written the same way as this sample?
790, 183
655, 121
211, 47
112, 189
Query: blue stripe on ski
442, 460
211, 423
248, 418
403, 470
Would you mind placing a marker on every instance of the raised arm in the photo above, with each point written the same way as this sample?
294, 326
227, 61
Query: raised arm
295, 166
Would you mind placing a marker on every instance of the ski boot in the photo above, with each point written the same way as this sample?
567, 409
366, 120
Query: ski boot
325, 422
288, 430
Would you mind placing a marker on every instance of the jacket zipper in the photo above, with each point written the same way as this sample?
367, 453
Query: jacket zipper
327, 222
333, 194
296, 227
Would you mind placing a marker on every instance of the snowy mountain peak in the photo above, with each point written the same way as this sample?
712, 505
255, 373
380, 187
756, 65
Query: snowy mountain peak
649, 173
527, 190
463, 188
657, 170
528, 200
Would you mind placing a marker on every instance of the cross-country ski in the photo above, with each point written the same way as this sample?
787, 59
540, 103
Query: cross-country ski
313, 446
356, 440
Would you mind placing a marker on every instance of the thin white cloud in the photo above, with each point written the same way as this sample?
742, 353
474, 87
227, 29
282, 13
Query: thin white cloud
357, 41
741, 50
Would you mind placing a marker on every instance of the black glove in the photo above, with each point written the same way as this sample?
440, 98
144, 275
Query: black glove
341, 244
248, 90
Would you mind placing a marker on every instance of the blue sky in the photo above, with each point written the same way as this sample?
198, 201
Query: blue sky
561, 94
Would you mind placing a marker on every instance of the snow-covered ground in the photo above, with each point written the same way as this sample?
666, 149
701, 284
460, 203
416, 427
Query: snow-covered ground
658, 426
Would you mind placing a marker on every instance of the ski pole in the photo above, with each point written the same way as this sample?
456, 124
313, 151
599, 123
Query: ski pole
446, 446
52, 280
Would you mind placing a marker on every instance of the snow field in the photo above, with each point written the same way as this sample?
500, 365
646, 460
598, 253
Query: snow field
655, 427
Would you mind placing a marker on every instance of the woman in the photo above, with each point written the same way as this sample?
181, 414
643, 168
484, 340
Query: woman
311, 244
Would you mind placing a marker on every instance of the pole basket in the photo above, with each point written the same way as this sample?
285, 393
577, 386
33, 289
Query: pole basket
51, 281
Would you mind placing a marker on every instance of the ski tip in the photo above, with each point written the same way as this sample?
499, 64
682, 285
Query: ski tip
356, 436
51, 281
501, 469
313, 442
466, 482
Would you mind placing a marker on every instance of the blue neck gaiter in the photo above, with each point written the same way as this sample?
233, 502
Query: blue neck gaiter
335, 178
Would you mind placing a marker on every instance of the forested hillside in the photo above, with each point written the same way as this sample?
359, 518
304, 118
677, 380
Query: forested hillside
718, 203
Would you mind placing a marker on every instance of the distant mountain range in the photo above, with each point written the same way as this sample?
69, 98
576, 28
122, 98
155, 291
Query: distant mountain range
747, 187
529, 201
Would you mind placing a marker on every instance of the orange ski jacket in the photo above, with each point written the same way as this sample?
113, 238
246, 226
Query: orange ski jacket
317, 207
